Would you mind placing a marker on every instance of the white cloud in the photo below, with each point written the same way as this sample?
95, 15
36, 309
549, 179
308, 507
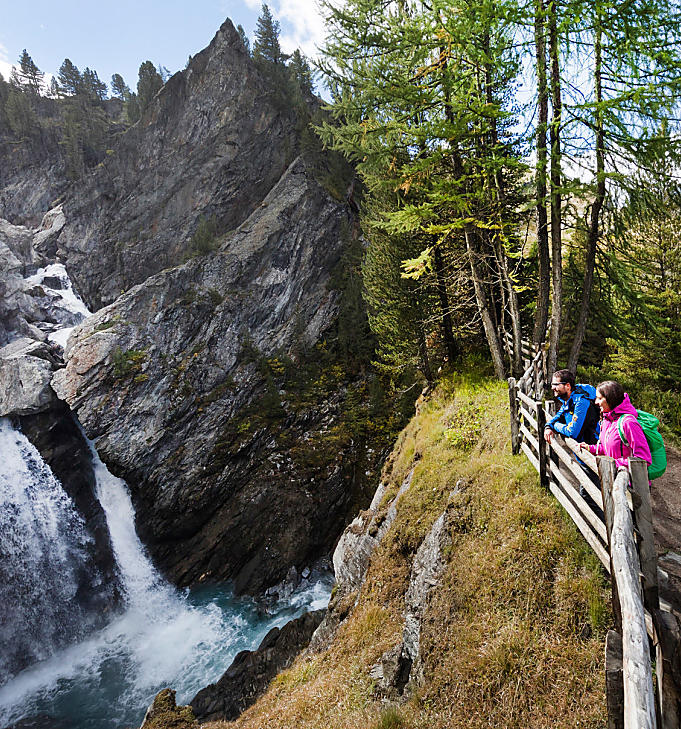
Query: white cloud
304, 26
5, 65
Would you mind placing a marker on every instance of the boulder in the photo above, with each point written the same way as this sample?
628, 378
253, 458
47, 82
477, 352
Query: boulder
251, 671
25, 373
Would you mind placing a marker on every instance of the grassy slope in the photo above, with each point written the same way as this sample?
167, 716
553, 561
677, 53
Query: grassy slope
514, 634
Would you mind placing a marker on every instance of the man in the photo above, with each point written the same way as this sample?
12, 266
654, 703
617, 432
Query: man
578, 416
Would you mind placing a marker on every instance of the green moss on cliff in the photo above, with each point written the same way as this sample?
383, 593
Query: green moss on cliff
513, 635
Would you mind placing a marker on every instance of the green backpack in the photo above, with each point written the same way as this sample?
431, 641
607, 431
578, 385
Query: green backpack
649, 424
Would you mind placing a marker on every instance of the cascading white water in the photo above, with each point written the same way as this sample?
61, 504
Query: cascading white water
163, 638
42, 556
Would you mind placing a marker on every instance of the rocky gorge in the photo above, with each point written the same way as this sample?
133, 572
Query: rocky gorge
217, 375
175, 379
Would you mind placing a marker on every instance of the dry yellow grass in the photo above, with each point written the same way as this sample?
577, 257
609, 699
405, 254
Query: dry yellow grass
513, 636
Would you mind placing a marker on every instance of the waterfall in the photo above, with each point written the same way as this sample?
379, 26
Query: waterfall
42, 557
103, 679
164, 637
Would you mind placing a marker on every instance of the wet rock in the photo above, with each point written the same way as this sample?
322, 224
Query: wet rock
62, 446
25, 373
162, 376
251, 671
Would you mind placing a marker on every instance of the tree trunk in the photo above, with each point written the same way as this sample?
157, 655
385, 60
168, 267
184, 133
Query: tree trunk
509, 294
596, 207
556, 179
544, 289
450, 343
482, 300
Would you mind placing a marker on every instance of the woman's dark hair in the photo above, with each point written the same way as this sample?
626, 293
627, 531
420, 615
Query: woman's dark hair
612, 391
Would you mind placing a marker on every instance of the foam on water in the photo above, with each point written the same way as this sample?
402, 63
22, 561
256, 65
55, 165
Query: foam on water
164, 638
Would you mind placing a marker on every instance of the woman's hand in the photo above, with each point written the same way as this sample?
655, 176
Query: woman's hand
583, 446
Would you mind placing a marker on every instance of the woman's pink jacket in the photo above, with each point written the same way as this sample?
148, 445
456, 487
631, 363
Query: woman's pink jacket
610, 443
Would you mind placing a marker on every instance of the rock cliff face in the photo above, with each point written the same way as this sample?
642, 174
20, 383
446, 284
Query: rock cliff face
210, 379
213, 143
176, 382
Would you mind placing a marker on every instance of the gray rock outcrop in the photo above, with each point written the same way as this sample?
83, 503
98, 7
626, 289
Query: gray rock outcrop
251, 671
26, 368
165, 377
351, 559
401, 666
213, 144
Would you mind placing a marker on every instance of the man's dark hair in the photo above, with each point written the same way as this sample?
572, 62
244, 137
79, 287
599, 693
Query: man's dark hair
566, 376
612, 391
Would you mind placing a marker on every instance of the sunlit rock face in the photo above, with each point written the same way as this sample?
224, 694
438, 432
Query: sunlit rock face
162, 376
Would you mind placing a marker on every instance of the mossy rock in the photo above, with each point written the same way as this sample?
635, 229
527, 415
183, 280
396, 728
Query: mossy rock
164, 713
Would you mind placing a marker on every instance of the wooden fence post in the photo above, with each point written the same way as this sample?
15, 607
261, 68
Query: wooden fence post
668, 668
607, 470
538, 385
614, 685
515, 425
639, 696
643, 519
542, 444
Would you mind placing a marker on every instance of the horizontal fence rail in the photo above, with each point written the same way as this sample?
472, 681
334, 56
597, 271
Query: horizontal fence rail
612, 510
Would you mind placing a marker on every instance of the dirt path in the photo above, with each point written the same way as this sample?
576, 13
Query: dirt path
666, 500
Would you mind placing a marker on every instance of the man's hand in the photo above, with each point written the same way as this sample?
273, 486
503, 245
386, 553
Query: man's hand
548, 434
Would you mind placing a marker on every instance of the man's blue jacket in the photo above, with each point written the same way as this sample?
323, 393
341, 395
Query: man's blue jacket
578, 417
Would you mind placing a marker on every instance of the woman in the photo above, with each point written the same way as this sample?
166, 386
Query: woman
616, 408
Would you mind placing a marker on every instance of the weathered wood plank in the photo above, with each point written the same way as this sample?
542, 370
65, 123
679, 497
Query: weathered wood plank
531, 437
614, 687
577, 472
643, 517
530, 418
530, 455
668, 668
527, 400
586, 456
583, 527
639, 698
571, 492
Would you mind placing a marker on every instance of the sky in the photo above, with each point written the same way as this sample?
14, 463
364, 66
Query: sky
117, 37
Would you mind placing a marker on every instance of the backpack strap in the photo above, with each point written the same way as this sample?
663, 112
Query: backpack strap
620, 430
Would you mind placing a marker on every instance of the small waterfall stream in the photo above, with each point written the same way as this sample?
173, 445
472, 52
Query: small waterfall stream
164, 637
41, 554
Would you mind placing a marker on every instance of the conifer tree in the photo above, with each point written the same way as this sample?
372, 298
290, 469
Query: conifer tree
20, 116
148, 85
119, 88
302, 72
92, 86
266, 46
27, 76
69, 78
420, 109
132, 108
244, 38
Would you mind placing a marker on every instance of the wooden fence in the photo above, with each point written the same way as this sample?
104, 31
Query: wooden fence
618, 526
